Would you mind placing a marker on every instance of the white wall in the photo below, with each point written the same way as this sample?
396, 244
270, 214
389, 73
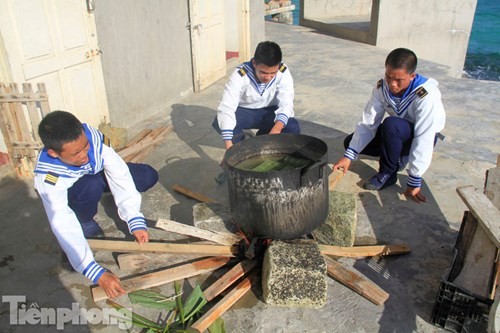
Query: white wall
328, 9
435, 30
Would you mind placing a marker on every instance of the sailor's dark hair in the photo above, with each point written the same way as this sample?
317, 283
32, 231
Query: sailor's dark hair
268, 53
402, 58
58, 128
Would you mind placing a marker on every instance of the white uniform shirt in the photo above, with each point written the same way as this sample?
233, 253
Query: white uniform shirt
242, 89
52, 181
422, 107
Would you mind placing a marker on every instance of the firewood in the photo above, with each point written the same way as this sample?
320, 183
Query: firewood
225, 303
223, 238
165, 276
229, 278
356, 282
127, 246
363, 251
143, 261
145, 142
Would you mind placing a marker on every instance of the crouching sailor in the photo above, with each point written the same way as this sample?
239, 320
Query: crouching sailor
407, 136
73, 170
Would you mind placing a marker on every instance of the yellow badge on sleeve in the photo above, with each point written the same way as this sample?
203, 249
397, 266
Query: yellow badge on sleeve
51, 178
106, 140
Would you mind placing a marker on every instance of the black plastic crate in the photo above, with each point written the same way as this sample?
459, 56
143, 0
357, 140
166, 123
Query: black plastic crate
456, 310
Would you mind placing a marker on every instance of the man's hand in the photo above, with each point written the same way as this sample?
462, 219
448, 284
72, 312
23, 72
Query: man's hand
343, 164
277, 128
415, 194
228, 144
110, 283
141, 236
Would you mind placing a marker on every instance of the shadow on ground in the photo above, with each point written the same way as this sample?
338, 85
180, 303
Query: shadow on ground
32, 264
387, 218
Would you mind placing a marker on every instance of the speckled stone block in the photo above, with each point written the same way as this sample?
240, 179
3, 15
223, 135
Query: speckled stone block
213, 217
117, 136
294, 274
339, 228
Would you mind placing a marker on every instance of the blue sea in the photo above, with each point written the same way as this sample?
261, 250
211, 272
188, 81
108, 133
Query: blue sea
483, 54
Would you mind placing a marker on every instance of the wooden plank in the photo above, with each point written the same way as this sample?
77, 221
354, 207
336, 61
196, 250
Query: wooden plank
19, 117
141, 135
144, 261
146, 142
193, 195
223, 238
140, 156
126, 246
28, 144
356, 282
334, 178
479, 262
44, 103
496, 277
5, 126
229, 278
492, 186
464, 240
224, 304
34, 115
363, 251
481, 207
165, 276
23, 97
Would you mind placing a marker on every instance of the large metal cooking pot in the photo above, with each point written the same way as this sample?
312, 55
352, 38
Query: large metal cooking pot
284, 204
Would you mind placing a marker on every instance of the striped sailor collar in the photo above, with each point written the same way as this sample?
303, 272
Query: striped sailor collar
47, 164
408, 97
250, 71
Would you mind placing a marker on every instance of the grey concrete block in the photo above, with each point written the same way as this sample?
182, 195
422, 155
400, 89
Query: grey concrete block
294, 274
213, 217
339, 228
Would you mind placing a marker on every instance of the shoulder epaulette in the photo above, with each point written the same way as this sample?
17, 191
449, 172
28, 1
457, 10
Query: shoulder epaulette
51, 178
106, 140
283, 68
421, 92
242, 72
379, 83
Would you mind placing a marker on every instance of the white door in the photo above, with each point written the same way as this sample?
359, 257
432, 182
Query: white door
55, 42
207, 39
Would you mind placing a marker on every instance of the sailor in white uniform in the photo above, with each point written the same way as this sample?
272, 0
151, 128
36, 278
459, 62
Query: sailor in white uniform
408, 134
73, 170
258, 95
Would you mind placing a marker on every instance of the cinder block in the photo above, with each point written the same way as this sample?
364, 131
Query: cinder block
339, 228
294, 274
213, 217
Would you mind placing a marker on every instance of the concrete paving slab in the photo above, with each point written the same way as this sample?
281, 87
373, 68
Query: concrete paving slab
333, 80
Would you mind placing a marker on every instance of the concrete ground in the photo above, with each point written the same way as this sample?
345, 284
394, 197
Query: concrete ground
333, 80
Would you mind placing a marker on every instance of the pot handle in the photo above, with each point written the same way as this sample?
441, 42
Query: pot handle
312, 173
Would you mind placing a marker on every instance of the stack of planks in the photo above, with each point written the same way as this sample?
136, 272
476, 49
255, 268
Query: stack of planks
143, 144
21, 112
476, 267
